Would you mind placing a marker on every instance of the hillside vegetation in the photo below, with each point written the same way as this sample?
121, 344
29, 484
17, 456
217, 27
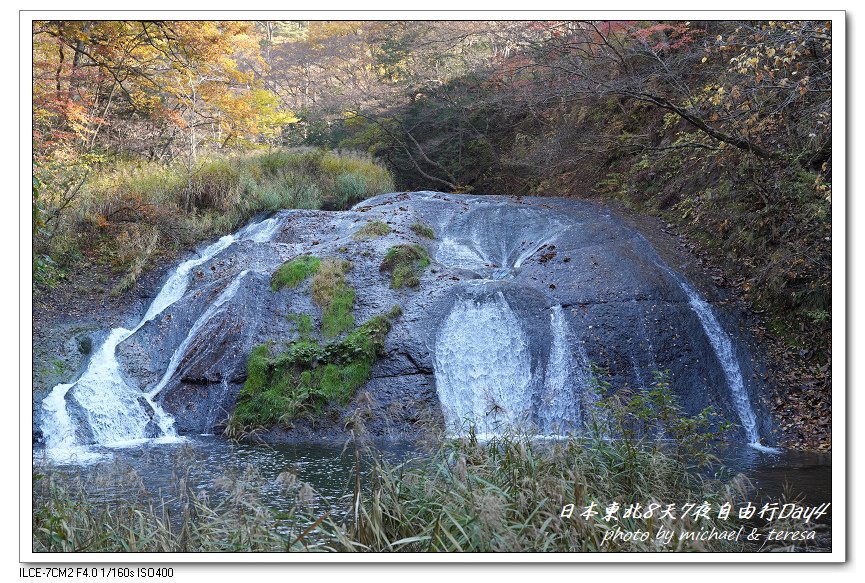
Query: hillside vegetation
149, 136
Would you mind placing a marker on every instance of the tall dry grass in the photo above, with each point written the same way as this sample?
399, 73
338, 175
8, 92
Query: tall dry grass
129, 212
463, 495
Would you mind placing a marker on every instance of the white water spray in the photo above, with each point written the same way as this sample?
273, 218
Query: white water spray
564, 383
723, 348
495, 240
110, 411
211, 311
482, 366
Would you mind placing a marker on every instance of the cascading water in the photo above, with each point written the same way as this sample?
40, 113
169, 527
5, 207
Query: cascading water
494, 240
113, 411
475, 355
565, 385
723, 348
482, 358
211, 311
482, 366
101, 408
503, 352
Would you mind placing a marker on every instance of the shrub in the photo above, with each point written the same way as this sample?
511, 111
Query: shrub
655, 415
136, 245
274, 163
307, 196
270, 199
375, 178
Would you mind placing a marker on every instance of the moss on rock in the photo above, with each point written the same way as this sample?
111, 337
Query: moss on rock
371, 230
307, 376
293, 273
331, 292
423, 230
406, 263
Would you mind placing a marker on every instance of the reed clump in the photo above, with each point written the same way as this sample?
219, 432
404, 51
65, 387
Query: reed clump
505, 494
69, 517
508, 495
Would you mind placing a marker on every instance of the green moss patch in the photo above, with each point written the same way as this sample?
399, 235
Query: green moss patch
337, 317
331, 292
423, 230
293, 273
307, 375
406, 263
371, 230
304, 324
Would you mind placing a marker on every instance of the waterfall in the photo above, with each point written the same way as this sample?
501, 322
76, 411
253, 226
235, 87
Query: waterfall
482, 359
175, 286
475, 374
105, 409
723, 348
482, 366
564, 384
494, 240
211, 311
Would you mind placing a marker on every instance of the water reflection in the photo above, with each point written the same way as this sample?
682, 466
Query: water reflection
214, 468
797, 473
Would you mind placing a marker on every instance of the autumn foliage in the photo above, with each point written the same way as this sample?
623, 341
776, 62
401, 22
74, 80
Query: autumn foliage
721, 127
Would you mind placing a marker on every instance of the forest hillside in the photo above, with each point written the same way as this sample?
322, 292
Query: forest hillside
149, 137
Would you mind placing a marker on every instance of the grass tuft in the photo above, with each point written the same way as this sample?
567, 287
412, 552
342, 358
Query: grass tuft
423, 230
329, 277
292, 273
334, 296
337, 317
406, 263
371, 230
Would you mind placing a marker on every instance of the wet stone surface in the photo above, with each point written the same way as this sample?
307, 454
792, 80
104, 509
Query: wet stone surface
500, 267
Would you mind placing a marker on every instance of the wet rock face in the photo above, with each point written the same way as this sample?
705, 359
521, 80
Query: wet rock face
521, 296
